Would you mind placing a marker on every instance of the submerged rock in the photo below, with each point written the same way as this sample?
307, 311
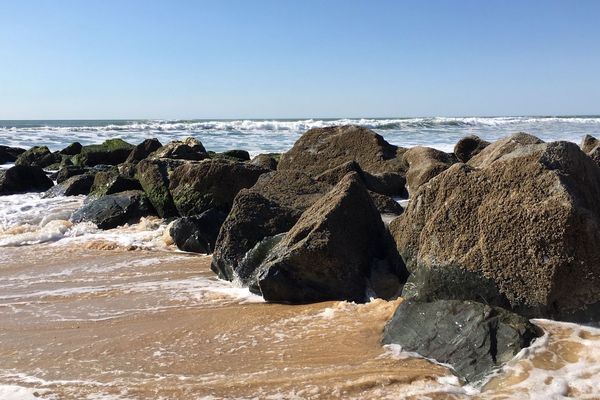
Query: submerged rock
468, 147
198, 234
475, 339
328, 253
23, 179
197, 187
114, 210
520, 221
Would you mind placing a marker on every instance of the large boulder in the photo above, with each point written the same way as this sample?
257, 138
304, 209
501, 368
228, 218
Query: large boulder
320, 149
111, 152
73, 186
387, 183
143, 150
328, 253
521, 230
72, 150
23, 179
199, 186
114, 210
187, 149
153, 175
9, 154
198, 234
468, 147
38, 156
475, 339
423, 164
591, 146
69, 171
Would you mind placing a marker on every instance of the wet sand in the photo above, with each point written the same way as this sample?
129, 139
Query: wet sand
99, 321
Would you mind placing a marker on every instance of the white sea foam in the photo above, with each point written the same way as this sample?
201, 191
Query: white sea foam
14, 392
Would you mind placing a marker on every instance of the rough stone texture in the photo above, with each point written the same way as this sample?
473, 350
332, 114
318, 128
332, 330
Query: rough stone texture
472, 337
253, 217
114, 210
589, 143
72, 150
424, 163
501, 148
9, 154
197, 187
385, 204
328, 253
153, 175
111, 152
528, 220
73, 186
38, 156
468, 147
23, 179
198, 234
266, 161
187, 149
239, 155
111, 182
143, 150
320, 149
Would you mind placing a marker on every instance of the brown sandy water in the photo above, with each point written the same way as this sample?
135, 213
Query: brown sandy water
98, 321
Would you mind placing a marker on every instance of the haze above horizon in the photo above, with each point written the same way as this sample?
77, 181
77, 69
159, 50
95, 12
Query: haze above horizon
229, 59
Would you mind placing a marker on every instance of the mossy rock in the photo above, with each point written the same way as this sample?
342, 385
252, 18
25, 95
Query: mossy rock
111, 152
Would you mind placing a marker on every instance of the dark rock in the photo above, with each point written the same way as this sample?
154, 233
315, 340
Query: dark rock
197, 187
38, 156
266, 161
468, 147
73, 186
23, 179
114, 210
253, 218
153, 175
111, 152
143, 150
9, 154
198, 233
187, 149
385, 204
111, 182
72, 150
525, 224
328, 253
424, 163
69, 171
320, 149
475, 339
238, 155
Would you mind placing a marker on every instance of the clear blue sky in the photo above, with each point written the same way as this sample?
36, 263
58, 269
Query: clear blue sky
297, 58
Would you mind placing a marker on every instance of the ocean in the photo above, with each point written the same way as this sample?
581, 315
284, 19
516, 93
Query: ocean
123, 314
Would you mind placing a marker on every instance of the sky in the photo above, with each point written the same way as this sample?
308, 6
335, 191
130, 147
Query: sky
177, 59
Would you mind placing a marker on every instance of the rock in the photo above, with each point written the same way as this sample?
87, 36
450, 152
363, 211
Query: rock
197, 187
424, 163
198, 233
23, 179
475, 339
111, 182
238, 155
320, 149
72, 150
9, 154
328, 253
524, 227
153, 175
385, 204
187, 149
143, 150
253, 218
468, 147
501, 148
114, 210
38, 156
73, 186
266, 161
589, 143
111, 152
